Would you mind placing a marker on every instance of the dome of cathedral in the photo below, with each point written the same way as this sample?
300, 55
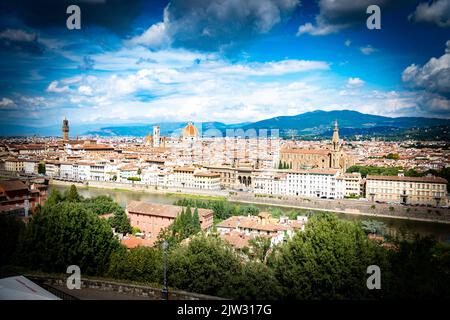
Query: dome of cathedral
190, 131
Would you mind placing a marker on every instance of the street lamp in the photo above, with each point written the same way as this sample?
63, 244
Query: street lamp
165, 291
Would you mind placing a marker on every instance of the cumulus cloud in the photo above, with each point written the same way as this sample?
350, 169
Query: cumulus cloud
175, 85
368, 50
274, 68
154, 37
434, 76
115, 15
355, 82
21, 40
85, 90
53, 87
337, 15
215, 25
6, 103
436, 12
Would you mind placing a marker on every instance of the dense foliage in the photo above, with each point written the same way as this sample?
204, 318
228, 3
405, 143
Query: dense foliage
67, 233
186, 224
328, 260
222, 209
373, 170
11, 229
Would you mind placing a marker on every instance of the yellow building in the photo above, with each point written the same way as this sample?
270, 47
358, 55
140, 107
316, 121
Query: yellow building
427, 190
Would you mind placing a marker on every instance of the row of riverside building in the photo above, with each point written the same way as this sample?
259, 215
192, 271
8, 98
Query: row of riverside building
322, 183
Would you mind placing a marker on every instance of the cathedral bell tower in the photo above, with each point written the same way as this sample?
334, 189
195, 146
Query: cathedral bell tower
336, 148
65, 129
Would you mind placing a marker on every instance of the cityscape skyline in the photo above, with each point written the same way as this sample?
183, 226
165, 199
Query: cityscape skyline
146, 67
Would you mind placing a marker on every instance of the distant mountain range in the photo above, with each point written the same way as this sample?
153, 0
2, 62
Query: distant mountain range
315, 123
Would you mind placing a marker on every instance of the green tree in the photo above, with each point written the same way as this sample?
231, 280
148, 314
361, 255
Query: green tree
141, 264
256, 281
373, 226
259, 248
54, 197
41, 168
11, 228
64, 234
327, 261
249, 210
119, 221
72, 194
420, 270
196, 227
206, 265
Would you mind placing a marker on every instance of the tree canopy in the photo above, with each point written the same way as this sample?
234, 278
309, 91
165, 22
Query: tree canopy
67, 233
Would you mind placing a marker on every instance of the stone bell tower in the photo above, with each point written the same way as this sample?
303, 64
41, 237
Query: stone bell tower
65, 129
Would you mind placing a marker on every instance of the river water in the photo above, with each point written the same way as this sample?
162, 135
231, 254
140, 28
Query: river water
405, 229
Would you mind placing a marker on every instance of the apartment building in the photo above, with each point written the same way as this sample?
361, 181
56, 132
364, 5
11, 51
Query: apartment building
151, 218
14, 165
189, 177
352, 182
427, 190
52, 168
322, 183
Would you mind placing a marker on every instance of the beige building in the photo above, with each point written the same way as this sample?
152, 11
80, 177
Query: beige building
427, 190
15, 165
332, 157
352, 182
227, 175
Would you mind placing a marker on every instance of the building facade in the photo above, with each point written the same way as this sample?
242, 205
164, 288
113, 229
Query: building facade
332, 157
427, 190
152, 218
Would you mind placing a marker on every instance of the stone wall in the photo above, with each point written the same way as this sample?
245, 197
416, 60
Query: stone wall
130, 289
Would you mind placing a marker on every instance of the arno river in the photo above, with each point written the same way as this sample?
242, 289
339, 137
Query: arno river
401, 228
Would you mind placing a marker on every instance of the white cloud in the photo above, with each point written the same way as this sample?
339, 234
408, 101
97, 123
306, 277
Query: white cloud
434, 76
53, 87
215, 25
368, 50
348, 42
154, 37
18, 35
274, 68
321, 28
6, 103
355, 82
335, 16
85, 90
436, 12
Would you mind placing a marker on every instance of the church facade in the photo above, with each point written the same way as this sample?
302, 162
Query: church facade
333, 157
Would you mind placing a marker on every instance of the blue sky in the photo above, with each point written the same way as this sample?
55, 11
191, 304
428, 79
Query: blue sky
220, 60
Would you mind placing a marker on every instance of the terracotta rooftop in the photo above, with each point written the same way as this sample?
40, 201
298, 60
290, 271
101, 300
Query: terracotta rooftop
133, 242
305, 151
161, 210
13, 185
